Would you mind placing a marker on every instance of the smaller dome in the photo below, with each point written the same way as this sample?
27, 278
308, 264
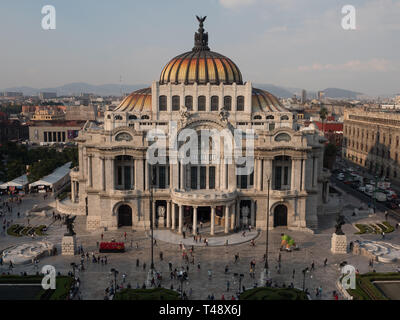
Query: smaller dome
137, 101
263, 101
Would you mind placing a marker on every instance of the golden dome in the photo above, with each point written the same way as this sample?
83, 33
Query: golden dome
263, 101
201, 65
137, 101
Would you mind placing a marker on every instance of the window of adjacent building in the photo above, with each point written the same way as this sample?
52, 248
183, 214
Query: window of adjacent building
211, 177
189, 102
214, 103
240, 103
162, 103
175, 103
201, 103
228, 103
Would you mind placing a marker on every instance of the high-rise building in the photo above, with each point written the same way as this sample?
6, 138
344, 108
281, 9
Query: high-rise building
303, 96
47, 95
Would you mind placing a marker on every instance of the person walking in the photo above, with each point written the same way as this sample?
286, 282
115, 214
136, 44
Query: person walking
312, 266
325, 262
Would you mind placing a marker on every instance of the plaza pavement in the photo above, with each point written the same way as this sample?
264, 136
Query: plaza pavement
312, 248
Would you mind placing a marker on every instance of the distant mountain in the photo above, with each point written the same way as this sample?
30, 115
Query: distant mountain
77, 88
277, 91
336, 93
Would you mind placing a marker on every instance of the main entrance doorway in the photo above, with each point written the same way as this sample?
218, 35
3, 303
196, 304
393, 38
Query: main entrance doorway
124, 216
280, 216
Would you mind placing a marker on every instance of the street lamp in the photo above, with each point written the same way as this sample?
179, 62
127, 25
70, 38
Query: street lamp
304, 277
73, 265
151, 273
266, 267
115, 272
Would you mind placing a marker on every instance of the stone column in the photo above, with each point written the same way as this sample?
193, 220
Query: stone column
232, 209
293, 175
194, 220
139, 179
252, 214
168, 214
217, 176
212, 232
180, 226
227, 219
303, 175
102, 175
182, 176
112, 174
73, 197
146, 176
89, 165
173, 220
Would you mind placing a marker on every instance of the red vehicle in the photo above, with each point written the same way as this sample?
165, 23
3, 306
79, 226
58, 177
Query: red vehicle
106, 247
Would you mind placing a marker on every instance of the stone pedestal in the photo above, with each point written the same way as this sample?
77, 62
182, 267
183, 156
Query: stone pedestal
339, 243
68, 246
161, 222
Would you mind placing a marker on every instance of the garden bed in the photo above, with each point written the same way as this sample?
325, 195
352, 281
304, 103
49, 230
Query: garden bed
377, 228
264, 293
147, 294
366, 290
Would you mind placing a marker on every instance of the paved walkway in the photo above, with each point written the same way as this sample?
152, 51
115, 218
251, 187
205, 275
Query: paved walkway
235, 238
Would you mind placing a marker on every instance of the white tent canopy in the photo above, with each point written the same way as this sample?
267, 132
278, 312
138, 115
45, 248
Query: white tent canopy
58, 177
19, 182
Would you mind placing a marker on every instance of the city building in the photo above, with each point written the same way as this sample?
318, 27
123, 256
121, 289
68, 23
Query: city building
303, 96
116, 184
48, 113
48, 132
47, 95
372, 140
12, 129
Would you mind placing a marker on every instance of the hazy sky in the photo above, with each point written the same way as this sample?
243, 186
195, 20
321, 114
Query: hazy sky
295, 43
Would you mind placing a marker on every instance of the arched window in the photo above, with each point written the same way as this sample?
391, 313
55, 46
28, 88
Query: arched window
175, 103
240, 103
228, 103
132, 117
270, 117
257, 117
201, 103
118, 117
109, 117
162, 103
145, 117
284, 118
214, 103
189, 102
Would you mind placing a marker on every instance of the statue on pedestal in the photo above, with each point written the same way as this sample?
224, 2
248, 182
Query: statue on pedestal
69, 222
339, 223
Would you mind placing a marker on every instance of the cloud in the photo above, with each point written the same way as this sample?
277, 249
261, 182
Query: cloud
375, 65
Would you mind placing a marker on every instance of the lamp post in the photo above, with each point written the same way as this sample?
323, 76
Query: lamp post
115, 272
304, 277
73, 265
151, 273
266, 267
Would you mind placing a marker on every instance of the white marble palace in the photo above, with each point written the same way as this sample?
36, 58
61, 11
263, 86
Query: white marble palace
116, 186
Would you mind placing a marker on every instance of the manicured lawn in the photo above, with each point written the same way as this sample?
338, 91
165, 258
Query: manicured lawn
63, 285
147, 294
273, 294
366, 290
